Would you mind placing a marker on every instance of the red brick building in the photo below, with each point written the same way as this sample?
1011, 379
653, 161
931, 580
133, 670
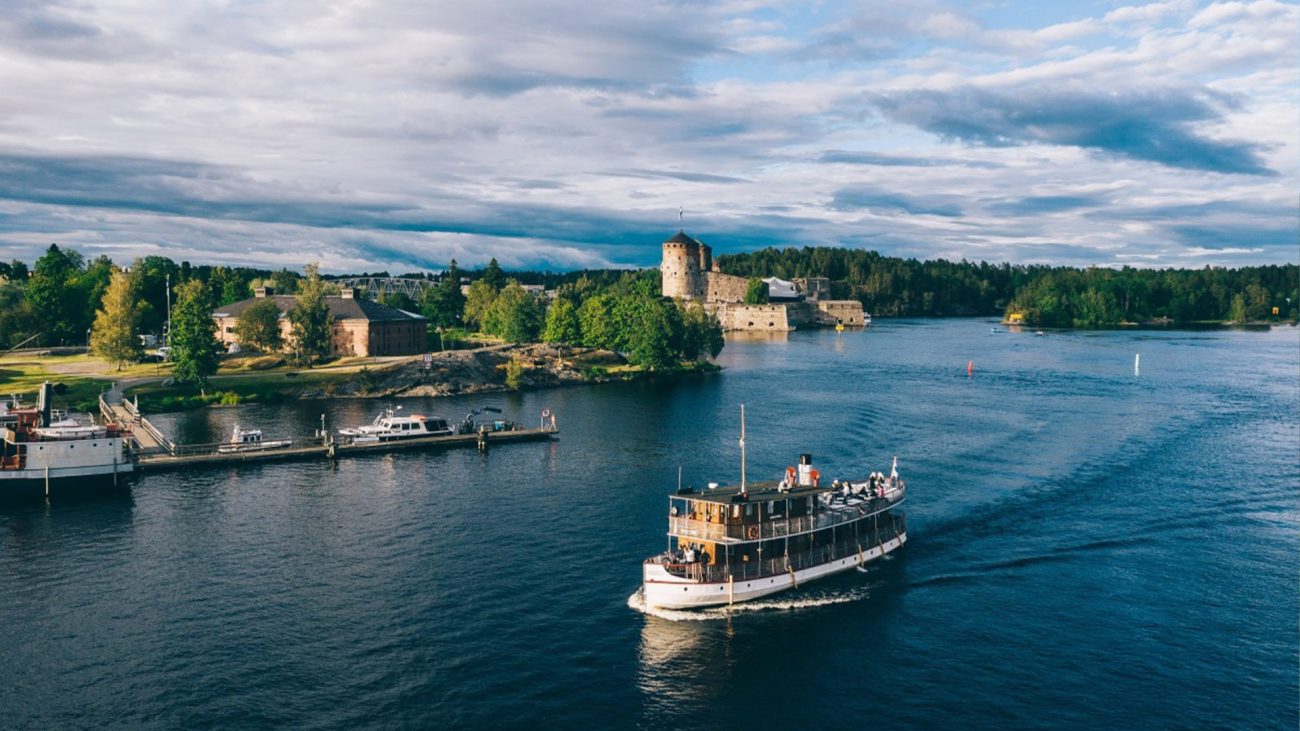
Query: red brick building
361, 326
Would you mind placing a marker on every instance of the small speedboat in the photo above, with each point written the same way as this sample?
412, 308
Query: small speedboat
995, 330
250, 440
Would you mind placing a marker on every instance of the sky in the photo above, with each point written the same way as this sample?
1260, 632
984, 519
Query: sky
368, 135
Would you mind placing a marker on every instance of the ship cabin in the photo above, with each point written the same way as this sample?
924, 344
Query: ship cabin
34, 437
776, 527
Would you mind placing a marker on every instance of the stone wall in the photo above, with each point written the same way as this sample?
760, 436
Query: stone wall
752, 318
840, 312
725, 287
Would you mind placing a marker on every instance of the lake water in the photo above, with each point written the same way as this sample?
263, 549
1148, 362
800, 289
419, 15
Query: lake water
1087, 549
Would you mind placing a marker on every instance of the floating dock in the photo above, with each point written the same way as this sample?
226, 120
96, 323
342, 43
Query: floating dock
154, 452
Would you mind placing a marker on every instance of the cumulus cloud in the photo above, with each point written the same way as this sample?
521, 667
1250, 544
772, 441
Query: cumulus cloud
1157, 125
565, 134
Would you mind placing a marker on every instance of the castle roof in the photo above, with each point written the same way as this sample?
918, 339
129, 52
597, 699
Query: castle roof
681, 237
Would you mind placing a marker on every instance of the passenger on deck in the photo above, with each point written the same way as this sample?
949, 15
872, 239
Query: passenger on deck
689, 557
844, 493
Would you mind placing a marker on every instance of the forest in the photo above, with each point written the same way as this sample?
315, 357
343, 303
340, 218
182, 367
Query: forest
1043, 295
54, 300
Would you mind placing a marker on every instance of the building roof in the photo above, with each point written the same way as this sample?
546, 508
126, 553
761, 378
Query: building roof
681, 237
341, 308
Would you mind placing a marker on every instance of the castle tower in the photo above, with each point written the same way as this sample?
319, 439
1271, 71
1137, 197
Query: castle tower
681, 267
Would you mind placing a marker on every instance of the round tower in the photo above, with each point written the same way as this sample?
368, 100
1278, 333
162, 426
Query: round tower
681, 267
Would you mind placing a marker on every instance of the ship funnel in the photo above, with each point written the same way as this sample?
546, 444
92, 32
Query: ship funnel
805, 469
43, 400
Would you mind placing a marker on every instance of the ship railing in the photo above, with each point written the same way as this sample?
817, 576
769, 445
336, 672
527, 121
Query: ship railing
229, 448
687, 527
741, 570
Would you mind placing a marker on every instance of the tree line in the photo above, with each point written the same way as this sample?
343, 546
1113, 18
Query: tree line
1043, 295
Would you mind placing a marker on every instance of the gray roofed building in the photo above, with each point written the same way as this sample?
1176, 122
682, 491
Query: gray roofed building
361, 326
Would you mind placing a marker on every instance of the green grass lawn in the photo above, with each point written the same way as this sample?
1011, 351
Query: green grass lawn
24, 376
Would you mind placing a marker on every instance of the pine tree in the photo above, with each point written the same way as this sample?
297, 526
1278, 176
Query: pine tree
113, 336
495, 278
312, 325
194, 345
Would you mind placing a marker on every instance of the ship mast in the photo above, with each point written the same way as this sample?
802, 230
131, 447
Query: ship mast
743, 490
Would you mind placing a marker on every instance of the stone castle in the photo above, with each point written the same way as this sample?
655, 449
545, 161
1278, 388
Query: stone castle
689, 273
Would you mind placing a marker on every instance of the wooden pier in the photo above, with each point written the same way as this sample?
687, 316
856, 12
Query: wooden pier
154, 452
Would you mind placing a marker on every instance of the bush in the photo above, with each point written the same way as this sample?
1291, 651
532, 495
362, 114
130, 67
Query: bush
514, 374
230, 398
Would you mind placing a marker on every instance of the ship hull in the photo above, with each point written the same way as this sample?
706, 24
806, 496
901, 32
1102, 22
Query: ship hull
68, 480
666, 591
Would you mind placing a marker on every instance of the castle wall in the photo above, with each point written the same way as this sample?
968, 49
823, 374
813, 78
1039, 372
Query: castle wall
840, 312
724, 287
751, 318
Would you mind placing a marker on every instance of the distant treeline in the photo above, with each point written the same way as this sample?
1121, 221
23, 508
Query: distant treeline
1048, 296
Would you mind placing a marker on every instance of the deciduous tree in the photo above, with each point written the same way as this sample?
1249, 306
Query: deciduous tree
114, 336
259, 326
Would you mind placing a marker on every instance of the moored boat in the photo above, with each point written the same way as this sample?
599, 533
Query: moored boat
43, 450
389, 426
734, 544
250, 440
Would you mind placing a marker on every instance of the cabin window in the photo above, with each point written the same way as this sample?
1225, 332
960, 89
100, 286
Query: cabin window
735, 511
749, 510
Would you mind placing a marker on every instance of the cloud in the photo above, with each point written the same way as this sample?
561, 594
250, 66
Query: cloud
567, 134
1044, 204
852, 157
1156, 126
872, 198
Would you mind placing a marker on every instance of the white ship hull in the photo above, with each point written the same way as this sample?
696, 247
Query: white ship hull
666, 591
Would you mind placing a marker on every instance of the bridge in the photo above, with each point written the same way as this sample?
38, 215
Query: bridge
375, 286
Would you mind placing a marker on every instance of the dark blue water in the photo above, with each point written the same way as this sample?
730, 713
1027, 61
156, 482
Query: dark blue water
1088, 549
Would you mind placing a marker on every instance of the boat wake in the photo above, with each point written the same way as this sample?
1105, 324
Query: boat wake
788, 603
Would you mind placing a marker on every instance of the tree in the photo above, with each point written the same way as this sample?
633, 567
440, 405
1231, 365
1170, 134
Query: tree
55, 298
562, 325
194, 345
756, 292
655, 338
114, 334
259, 326
514, 316
596, 322
478, 303
399, 301
443, 303
150, 276
702, 336
495, 278
310, 316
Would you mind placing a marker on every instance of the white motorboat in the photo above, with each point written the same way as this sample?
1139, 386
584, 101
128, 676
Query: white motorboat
389, 426
250, 440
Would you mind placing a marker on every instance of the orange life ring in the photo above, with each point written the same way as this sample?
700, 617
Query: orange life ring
751, 532
789, 472
815, 476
